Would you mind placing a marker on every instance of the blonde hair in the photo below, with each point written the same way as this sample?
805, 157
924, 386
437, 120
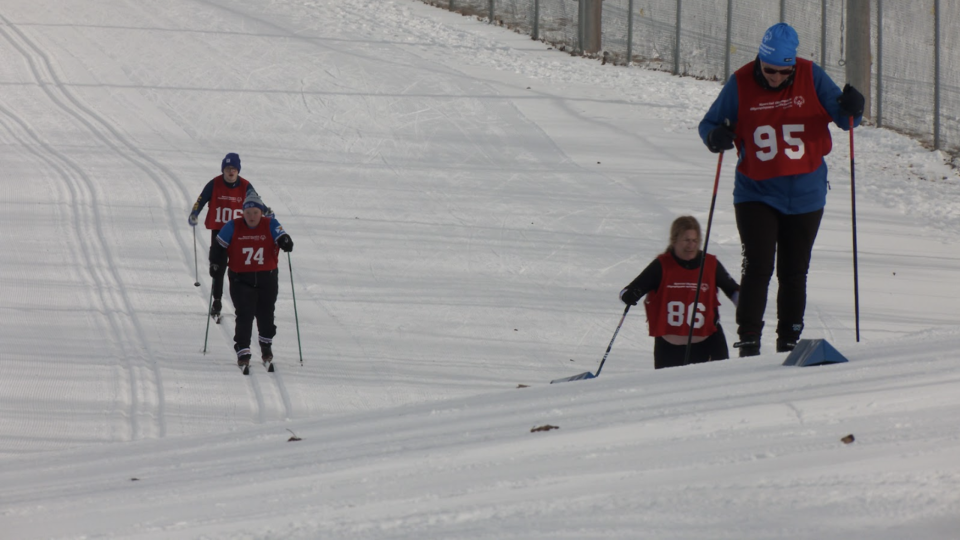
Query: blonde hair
681, 225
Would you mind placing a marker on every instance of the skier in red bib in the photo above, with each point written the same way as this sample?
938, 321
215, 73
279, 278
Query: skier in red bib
226, 194
670, 285
776, 112
249, 246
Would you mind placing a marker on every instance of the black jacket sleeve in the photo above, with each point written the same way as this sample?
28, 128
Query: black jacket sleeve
203, 199
648, 280
726, 283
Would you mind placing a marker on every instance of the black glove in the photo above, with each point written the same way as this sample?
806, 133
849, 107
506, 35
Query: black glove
720, 138
213, 270
851, 101
285, 243
631, 297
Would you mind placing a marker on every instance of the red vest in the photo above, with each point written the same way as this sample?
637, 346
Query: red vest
252, 250
784, 132
668, 308
226, 204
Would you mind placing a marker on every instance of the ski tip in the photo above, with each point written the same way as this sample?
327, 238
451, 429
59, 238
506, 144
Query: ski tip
582, 376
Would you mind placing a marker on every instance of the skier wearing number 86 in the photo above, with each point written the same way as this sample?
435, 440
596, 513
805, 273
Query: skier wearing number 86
776, 111
670, 285
249, 246
225, 193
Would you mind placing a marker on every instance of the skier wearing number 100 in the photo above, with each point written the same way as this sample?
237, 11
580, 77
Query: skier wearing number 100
776, 111
225, 193
248, 246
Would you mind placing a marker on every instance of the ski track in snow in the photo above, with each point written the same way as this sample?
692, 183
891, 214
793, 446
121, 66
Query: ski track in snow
146, 414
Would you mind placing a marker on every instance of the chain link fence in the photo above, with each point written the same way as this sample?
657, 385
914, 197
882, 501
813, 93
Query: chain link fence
915, 48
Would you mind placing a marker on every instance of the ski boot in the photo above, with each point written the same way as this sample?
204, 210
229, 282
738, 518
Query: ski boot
266, 354
787, 336
784, 345
749, 345
243, 360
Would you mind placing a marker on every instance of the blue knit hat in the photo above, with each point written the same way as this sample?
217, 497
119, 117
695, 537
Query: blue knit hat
253, 201
231, 160
779, 46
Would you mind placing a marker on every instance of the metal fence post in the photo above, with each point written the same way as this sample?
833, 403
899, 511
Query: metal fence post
580, 11
536, 19
676, 45
858, 49
936, 74
629, 32
783, 10
823, 33
726, 54
592, 26
879, 63
491, 11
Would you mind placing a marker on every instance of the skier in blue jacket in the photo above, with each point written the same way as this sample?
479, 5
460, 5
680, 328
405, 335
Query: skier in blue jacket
776, 111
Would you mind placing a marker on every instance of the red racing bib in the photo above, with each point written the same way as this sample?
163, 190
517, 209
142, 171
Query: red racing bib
784, 132
226, 204
252, 250
670, 307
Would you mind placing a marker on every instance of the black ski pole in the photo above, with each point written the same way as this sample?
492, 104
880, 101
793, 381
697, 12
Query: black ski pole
207, 333
610, 346
296, 318
691, 317
853, 212
196, 265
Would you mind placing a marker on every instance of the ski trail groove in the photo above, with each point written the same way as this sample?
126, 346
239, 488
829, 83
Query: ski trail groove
281, 399
83, 216
113, 294
123, 147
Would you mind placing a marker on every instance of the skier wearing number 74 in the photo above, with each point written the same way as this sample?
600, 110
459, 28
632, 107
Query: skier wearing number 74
249, 247
776, 111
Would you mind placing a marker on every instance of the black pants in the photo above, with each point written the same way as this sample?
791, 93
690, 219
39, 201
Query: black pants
218, 279
765, 235
254, 296
666, 354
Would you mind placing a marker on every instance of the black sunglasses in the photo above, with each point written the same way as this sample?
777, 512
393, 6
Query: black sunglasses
771, 71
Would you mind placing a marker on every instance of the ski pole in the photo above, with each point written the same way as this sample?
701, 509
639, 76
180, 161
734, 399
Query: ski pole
207, 333
703, 260
296, 318
853, 212
196, 265
610, 346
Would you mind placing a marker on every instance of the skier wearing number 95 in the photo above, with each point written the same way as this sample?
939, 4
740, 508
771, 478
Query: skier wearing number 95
225, 193
248, 246
670, 285
776, 111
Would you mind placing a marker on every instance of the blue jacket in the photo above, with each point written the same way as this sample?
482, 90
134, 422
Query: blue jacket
226, 233
793, 194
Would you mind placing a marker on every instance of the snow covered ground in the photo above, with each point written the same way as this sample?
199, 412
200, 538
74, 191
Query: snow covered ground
466, 205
